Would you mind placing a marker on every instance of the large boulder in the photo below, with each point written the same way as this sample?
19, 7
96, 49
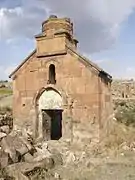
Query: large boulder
2, 135
7, 147
15, 146
44, 150
21, 171
21, 159
28, 158
5, 129
4, 159
41, 152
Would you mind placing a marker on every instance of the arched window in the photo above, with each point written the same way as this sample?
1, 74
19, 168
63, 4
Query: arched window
52, 79
123, 95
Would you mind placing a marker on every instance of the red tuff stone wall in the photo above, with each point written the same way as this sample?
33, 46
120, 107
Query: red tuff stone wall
85, 93
79, 85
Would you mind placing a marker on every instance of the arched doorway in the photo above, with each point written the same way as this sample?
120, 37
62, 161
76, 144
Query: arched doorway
50, 107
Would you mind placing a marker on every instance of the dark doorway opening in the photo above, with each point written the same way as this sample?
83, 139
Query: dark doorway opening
52, 124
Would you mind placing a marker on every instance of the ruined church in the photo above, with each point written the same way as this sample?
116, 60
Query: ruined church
56, 87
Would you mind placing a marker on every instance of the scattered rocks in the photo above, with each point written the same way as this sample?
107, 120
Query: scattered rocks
5, 129
70, 158
21, 158
14, 147
2, 135
28, 158
4, 159
57, 176
57, 158
6, 120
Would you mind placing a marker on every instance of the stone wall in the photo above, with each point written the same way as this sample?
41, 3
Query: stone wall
79, 86
85, 91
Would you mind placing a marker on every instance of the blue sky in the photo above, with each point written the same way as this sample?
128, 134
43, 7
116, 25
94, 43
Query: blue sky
106, 34
120, 59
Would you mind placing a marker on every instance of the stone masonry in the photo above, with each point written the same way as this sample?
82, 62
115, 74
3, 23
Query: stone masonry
56, 82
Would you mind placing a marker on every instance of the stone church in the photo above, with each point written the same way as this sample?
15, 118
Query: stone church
56, 87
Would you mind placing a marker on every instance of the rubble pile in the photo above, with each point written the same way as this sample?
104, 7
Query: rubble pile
6, 124
20, 159
23, 158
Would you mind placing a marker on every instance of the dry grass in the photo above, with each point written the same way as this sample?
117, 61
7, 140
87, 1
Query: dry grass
118, 136
5, 91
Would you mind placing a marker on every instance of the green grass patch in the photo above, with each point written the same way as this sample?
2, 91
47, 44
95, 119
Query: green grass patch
5, 91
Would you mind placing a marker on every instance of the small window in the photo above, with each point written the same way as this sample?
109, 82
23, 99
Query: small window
52, 79
123, 95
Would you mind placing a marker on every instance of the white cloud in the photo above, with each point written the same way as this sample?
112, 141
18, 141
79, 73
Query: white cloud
23, 21
97, 22
102, 61
98, 61
5, 71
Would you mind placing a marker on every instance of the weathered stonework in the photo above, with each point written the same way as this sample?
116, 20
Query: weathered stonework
82, 90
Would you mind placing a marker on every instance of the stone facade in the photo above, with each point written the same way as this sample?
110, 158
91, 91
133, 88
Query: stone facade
79, 89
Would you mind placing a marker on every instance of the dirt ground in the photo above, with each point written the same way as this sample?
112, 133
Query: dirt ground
121, 166
111, 170
6, 101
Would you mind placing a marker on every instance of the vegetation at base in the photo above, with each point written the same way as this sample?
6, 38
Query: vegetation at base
125, 112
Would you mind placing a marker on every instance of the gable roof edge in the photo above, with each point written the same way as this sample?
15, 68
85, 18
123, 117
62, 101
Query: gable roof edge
25, 60
90, 63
